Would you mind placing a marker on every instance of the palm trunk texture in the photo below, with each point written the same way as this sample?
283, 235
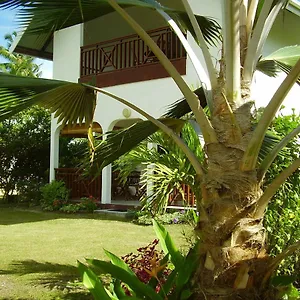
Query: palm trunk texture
233, 253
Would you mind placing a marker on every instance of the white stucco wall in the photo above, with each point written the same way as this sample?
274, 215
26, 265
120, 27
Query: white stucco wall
66, 53
66, 66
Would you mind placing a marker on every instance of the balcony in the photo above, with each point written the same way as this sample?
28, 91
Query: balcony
128, 59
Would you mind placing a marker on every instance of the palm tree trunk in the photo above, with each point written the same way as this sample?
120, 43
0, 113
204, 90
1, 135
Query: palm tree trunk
233, 253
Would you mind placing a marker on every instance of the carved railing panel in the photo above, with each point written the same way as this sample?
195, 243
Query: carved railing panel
128, 52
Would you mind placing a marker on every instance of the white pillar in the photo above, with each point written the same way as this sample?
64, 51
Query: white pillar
150, 171
54, 148
106, 185
106, 175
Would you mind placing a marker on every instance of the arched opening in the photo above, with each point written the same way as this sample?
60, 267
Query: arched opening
72, 147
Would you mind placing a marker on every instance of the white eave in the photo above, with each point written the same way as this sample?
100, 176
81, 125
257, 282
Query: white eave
294, 7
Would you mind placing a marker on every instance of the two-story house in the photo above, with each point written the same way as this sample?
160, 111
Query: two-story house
107, 52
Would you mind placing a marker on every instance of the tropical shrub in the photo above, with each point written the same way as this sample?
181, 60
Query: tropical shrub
54, 195
24, 152
70, 208
88, 204
147, 275
29, 191
144, 262
170, 168
144, 217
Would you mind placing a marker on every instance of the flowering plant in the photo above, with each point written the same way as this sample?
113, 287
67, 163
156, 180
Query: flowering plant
149, 274
147, 264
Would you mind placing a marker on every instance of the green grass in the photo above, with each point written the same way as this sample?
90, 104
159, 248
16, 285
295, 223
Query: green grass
38, 251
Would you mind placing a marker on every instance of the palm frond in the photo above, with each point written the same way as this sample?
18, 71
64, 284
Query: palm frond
281, 60
70, 102
272, 68
180, 107
119, 142
269, 142
170, 167
210, 28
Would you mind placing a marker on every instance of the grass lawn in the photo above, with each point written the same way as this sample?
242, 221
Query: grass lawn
38, 251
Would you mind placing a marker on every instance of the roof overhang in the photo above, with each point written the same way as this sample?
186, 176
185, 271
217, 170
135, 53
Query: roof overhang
294, 7
37, 45
41, 45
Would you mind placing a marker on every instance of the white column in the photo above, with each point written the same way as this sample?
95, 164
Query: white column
106, 185
54, 148
106, 175
150, 171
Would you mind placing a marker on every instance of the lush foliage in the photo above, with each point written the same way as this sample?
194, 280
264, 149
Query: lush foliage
71, 151
85, 205
54, 195
168, 167
144, 217
15, 63
24, 152
89, 204
147, 275
283, 214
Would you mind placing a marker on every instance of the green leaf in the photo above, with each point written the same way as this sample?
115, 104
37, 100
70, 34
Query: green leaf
92, 282
286, 55
115, 260
191, 262
168, 245
289, 293
281, 60
118, 290
283, 280
130, 298
186, 294
131, 280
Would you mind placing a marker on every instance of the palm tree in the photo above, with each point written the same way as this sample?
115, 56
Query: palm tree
231, 197
17, 64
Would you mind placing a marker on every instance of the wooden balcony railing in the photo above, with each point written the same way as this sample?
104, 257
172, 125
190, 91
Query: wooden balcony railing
84, 187
78, 185
129, 59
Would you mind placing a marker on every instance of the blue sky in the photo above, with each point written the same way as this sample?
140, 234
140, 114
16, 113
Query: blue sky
7, 25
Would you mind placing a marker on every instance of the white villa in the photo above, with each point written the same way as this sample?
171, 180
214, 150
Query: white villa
108, 53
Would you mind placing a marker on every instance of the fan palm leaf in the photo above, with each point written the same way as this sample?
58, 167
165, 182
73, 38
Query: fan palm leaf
70, 102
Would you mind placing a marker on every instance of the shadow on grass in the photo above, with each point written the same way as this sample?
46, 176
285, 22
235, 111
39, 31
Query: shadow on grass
59, 277
13, 215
